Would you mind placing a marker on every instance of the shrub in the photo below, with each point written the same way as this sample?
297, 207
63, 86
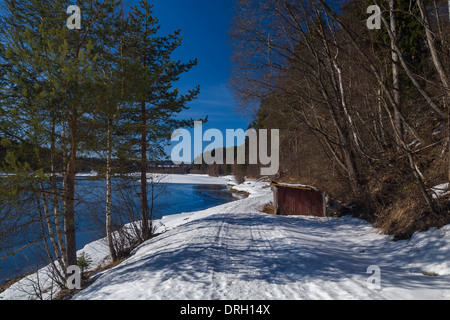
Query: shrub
84, 261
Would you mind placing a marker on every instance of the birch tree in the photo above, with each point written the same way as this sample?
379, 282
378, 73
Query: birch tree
364, 94
53, 71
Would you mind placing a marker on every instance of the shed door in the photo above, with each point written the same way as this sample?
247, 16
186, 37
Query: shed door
300, 202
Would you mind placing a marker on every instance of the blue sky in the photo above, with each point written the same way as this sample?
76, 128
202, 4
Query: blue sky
204, 27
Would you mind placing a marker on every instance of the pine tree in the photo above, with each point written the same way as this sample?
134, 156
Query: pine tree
150, 118
51, 97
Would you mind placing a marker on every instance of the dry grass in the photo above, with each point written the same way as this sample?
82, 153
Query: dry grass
406, 216
269, 209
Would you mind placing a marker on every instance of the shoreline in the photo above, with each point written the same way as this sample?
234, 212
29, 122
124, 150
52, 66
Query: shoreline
98, 249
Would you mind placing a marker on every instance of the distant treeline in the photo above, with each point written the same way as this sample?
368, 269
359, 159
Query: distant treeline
240, 171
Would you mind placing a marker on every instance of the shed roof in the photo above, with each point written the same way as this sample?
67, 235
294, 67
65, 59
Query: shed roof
294, 186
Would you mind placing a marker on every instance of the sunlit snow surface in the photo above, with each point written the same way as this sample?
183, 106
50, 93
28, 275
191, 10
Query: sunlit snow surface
233, 251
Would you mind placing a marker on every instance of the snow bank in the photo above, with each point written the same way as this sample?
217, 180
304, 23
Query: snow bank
254, 188
188, 178
25, 289
87, 174
441, 191
173, 178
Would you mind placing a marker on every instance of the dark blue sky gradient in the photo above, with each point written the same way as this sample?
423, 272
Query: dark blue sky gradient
204, 27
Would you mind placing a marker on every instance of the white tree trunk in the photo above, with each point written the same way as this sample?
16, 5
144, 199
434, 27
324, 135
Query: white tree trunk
395, 74
430, 42
109, 235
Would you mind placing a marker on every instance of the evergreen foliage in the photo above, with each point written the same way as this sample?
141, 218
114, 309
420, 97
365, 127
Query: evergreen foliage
107, 88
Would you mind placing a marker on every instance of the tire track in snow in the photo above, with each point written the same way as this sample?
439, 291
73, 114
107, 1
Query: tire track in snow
238, 259
216, 285
246, 263
279, 273
251, 256
276, 239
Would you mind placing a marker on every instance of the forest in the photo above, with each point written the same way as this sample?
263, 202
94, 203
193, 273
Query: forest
363, 113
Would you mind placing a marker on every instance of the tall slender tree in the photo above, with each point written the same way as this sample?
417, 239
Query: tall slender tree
155, 102
51, 98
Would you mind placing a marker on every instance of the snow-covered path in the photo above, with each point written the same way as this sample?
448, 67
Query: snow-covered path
234, 252
237, 253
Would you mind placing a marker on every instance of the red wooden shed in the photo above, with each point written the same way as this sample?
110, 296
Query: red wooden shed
297, 199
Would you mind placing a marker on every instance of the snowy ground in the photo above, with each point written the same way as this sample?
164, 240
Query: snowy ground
187, 178
235, 252
191, 179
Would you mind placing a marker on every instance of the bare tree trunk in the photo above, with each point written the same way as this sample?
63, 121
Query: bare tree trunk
410, 74
348, 116
343, 124
46, 216
110, 121
69, 199
407, 70
144, 197
395, 76
430, 42
396, 50
49, 224
438, 21
422, 187
58, 216
59, 231
109, 236
346, 136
